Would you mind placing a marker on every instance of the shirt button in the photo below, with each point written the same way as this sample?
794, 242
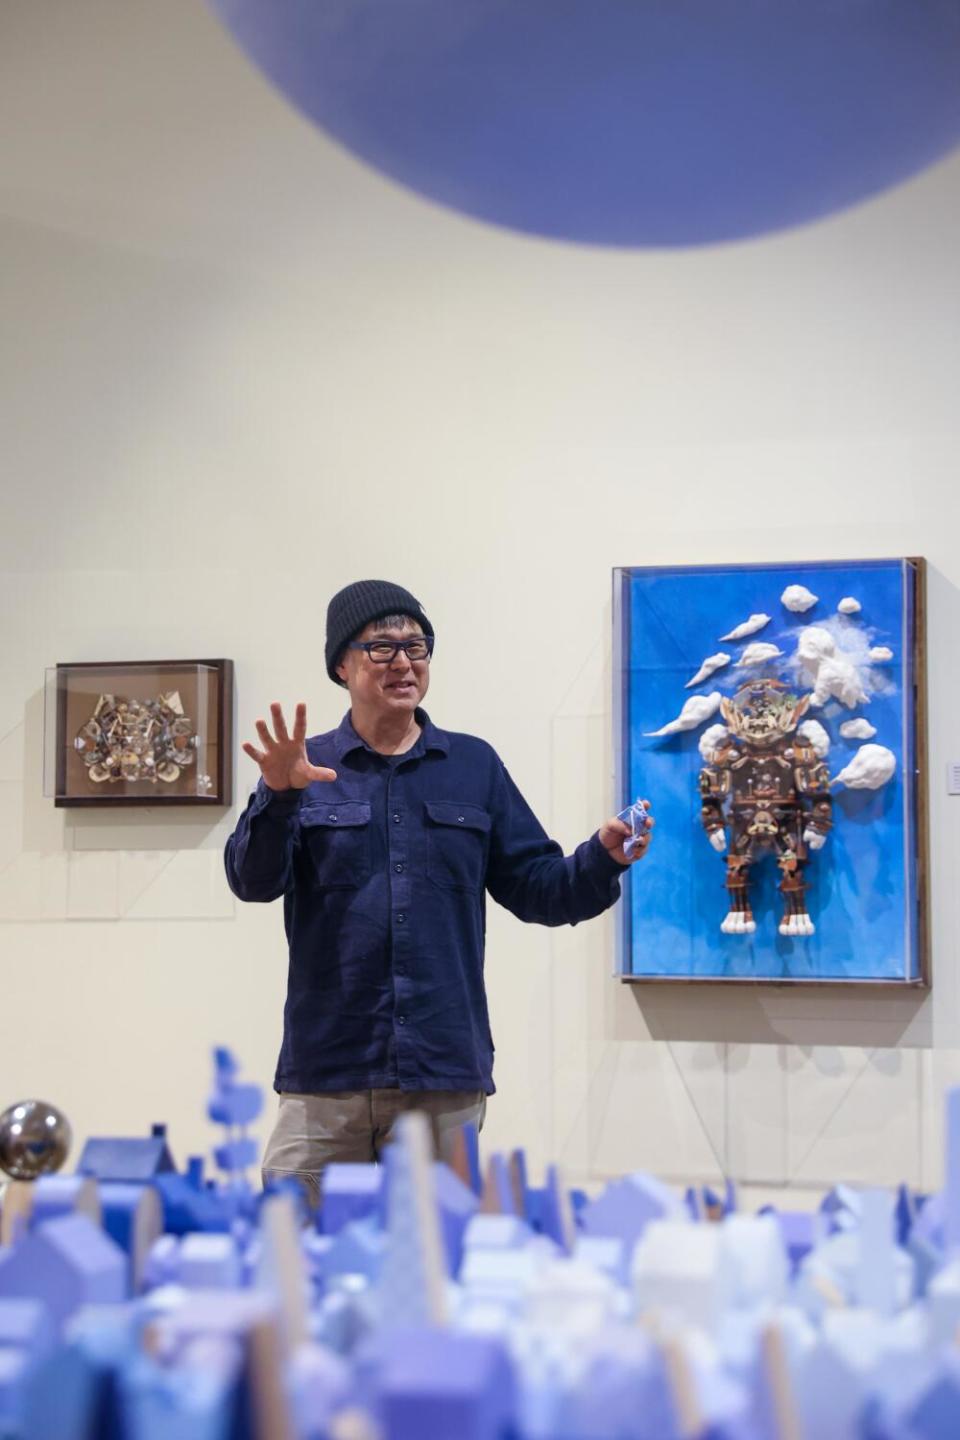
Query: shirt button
400, 918
398, 867
396, 817
401, 1019
460, 818
333, 818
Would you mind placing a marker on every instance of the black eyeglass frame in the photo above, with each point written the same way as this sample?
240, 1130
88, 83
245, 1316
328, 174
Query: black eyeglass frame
395, 647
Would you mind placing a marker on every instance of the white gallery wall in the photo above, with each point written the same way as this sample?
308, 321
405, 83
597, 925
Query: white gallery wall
238, 369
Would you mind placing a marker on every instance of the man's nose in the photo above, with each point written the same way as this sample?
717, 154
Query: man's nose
401, 661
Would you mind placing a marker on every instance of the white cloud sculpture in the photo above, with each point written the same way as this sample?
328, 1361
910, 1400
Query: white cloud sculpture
710, 742
858, 730
814, 644
798, 598
881, 652
748, 627
759, 653
831, 671
871, 767
712, 662
849, 606
697, 709
813, 731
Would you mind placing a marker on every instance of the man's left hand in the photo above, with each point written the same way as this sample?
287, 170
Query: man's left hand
614, 832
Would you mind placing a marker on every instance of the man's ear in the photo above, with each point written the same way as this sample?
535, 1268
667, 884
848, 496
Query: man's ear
341, 670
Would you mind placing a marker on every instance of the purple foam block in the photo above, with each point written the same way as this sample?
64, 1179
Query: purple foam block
116, 1158
25, 1325
185, 1208
120, 1206
471, 1140
63, 1398
798, 1230
66, 1263
356, 1250
934, 1417
951, 1165
498, 1173
457, 1205
236, 1154
552, 1209
235, 1104
26, 1340
435, 1384
627, 1206
55, 1195
520, 1182
350, 1192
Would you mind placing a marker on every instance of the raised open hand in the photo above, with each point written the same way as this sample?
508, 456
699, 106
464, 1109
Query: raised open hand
283, 760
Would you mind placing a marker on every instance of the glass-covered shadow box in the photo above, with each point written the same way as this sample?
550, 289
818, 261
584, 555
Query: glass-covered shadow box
774, 715
147, 733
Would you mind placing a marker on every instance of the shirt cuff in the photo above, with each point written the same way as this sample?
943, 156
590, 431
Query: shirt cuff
601, 857
278, 802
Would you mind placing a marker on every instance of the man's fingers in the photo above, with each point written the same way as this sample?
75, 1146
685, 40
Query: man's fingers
320, 772
279, 724
266, 738
253, 752
300, 723
620, 827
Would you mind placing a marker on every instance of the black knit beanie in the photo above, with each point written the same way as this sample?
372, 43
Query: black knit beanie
356, 605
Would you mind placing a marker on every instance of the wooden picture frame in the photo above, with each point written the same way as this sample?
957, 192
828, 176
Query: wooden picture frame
868, 886
139, 733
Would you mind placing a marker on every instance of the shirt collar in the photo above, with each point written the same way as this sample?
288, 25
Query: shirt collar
346, 739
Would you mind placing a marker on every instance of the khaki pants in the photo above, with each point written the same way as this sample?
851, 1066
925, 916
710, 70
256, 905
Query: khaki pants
313, 1131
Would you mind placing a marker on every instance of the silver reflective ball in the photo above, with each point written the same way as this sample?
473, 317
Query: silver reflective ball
34, 1139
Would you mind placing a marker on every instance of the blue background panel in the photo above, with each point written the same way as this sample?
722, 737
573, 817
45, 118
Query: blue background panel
862, 884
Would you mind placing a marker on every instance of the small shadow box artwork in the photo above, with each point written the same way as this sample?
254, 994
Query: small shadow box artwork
139, 733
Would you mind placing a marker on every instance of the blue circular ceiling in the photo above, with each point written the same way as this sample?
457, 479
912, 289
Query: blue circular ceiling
623, 122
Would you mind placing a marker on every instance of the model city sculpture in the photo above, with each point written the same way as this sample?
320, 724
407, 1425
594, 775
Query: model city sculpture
426, 1302
765, 785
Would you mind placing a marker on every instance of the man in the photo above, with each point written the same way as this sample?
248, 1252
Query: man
382, 836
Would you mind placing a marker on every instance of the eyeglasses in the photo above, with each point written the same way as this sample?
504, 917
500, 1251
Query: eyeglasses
382, 652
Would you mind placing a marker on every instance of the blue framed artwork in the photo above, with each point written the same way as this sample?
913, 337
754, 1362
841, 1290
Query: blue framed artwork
774, 716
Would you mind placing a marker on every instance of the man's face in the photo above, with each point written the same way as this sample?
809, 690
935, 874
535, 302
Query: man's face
398, 686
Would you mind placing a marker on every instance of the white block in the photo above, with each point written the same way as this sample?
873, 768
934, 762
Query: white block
208, 1262
676, 1270
753, 1264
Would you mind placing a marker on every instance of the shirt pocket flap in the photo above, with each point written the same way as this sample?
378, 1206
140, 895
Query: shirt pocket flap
338, 815
463, 816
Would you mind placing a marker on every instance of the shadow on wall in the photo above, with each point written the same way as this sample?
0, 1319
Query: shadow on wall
46, 828
66, 865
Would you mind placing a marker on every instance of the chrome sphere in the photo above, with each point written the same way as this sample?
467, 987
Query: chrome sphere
34, 1139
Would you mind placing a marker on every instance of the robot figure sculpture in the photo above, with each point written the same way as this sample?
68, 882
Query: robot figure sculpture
766, 783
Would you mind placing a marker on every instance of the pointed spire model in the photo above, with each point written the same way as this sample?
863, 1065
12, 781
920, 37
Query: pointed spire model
413, 1282
281, 1271
877, 1276
951, 1165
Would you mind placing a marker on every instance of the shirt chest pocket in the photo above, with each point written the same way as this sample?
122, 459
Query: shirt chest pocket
458, 837
336, 837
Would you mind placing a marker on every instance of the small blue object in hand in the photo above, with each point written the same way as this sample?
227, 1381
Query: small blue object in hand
637, 818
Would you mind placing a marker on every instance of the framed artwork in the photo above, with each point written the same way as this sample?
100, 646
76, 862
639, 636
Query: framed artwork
774, 716
146, 733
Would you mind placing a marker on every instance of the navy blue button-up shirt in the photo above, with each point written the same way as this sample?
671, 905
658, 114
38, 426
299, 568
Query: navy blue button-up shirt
383, 874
